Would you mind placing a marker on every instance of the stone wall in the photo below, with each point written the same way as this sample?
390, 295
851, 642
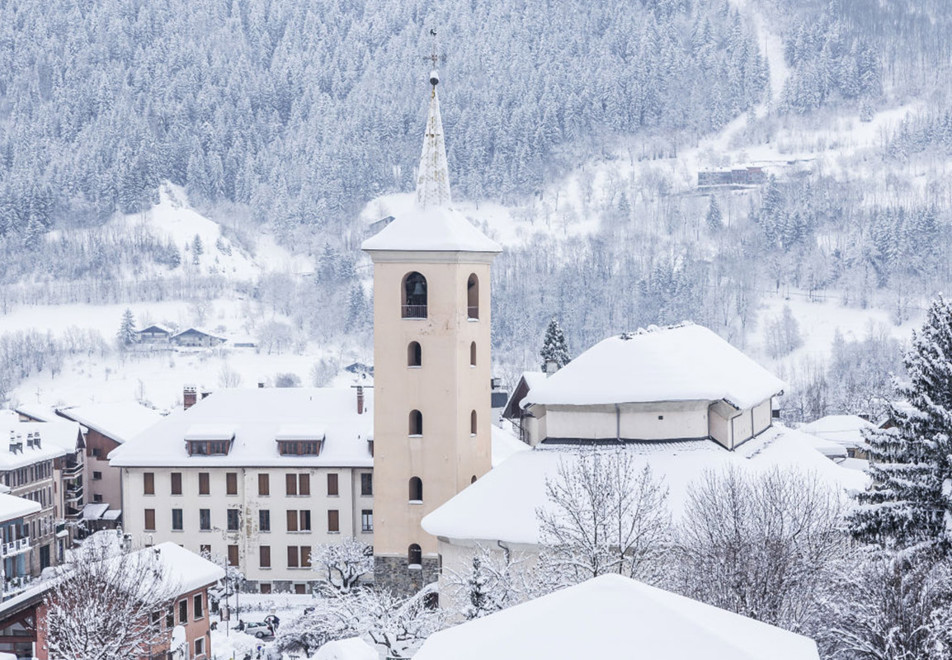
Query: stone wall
394, 574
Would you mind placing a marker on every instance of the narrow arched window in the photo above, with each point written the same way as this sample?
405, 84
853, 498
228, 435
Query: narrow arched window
473, 480
414, 354
416, 422
413, 296
472, 354
472, 423
472, 297
416, 489
414, 555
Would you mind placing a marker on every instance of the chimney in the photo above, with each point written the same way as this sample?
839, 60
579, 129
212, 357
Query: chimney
189, 397
360, 399
551, 366
260, 384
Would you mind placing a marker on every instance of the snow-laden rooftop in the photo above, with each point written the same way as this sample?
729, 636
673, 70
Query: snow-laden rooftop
845, 430
439, 229
118, 421
258, 417
505, 444
210, 431
56, 439
353, 648
681, 363
612, 617
501, 506
12, 507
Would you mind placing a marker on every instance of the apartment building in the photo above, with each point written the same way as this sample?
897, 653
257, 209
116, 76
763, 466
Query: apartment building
257, 477
41, 462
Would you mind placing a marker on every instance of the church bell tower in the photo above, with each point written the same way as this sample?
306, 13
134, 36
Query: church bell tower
431, 365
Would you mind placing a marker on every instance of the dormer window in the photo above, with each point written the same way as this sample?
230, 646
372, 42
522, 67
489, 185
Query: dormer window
299, 440
414, 296
299, 448
209, 440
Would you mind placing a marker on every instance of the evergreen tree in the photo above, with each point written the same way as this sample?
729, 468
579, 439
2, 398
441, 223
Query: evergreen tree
478, 592
127, 330
554, 346
909, 504
714, 221
197, 249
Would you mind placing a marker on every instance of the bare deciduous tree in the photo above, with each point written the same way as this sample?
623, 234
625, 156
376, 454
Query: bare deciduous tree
106, 604
341, 565
603, 516
767, 546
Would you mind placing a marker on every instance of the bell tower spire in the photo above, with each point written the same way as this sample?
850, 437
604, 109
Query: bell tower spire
433, 177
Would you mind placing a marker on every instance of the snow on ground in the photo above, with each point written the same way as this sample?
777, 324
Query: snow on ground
230, 643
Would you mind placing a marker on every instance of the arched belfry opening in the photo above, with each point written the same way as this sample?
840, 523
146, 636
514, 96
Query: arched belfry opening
472, 297
414, 296
414, 354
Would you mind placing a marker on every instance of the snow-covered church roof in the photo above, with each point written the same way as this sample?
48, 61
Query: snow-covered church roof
502, 505
612, 616
434, 225
679, 363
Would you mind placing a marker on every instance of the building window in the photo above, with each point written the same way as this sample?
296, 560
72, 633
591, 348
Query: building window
414, 555
264, 520
203, 488
264, 484
183, 611
150, 520
205, 519
472, 297
264, 556
333, 521
231, 483
299, 447
298, 484
367, 520
414, 296
199, 644
208, 447
97, 476
293, 556
233, 555
305, 556
97, 498
264, 587
332, 484
177, 520
97, 452
205, 551
416, 489
233, 520
472, 423
472, 354
176, 483
198, 607
292, 516
366, 484
148, 483
416, 422
414, 354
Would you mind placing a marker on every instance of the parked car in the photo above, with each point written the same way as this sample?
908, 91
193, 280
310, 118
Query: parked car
259, 629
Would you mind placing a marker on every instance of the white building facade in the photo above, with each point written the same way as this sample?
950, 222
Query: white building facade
256, 478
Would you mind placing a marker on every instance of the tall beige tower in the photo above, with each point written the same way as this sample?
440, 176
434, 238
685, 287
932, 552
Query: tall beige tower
431, 366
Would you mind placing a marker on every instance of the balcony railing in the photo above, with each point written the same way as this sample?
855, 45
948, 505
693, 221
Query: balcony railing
74, 494
414, 311
16, 584
16, 547
72, 470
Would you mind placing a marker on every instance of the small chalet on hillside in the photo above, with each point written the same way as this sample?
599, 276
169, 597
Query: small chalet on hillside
154, 334
195, 338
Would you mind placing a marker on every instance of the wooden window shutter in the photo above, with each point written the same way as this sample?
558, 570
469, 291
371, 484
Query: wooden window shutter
332, 483
264, 484
233, 555
176, 483
150, 519
304, 486
333, 520
231, 483
291, 484
203, 488
292, 520
148, 483
264, 556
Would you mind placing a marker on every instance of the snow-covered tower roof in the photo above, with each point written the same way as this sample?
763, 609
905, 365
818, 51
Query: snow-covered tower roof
433, 225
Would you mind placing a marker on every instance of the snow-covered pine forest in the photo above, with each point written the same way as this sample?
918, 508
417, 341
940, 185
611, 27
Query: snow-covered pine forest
577, 133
